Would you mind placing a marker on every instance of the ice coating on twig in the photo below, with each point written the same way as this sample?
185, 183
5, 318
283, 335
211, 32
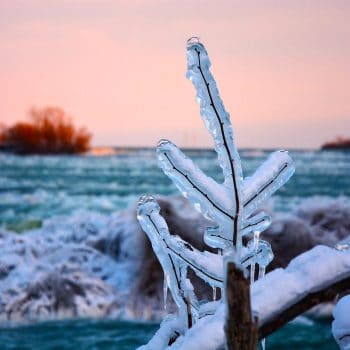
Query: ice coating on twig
267, 179
233, 205
208, 266
217, 121
310, 271
174, 269
228, 204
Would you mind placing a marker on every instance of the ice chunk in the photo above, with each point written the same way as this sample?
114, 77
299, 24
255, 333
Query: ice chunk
341, 323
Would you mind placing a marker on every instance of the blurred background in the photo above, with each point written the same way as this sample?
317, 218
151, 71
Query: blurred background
88, 88
118, 67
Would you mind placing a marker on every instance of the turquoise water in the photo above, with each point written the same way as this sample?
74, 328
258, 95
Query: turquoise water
114, 335
35, 188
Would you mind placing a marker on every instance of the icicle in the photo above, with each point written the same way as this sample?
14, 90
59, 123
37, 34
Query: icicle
220, 253
165, 292
255, 250
262, 270
214, 293
252, 273
256, 239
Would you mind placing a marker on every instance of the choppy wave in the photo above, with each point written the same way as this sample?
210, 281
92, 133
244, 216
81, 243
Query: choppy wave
37, 188
92, 264
83, 254
111, 335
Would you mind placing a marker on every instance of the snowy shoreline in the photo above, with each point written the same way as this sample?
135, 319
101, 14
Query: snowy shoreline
99, 265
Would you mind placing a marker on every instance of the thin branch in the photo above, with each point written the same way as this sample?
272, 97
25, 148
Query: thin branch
235, 179
205, 195
321, 294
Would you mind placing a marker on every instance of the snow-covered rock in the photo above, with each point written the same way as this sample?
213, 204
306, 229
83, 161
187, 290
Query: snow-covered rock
341, 323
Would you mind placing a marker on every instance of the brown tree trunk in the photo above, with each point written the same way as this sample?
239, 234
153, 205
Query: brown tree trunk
241, 328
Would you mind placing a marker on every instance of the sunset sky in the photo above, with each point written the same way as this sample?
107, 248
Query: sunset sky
118, 67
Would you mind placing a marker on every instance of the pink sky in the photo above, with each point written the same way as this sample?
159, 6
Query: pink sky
118, 67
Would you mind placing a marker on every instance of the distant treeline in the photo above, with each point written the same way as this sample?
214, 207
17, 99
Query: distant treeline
340, 143
48, 131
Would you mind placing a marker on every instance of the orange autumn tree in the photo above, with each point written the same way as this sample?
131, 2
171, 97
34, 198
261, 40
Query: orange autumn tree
49, 131
2, 133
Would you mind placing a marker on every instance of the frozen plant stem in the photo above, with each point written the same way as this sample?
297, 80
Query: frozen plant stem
230, 153
233, 206
155, 227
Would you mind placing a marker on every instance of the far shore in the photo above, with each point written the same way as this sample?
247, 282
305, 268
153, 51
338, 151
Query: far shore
102, 151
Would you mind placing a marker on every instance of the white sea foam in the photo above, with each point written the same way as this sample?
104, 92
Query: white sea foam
110, 255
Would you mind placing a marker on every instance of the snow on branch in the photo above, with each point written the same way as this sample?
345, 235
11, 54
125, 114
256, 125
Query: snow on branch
322, 271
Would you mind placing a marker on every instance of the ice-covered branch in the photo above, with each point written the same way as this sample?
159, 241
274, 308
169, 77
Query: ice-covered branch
218, 123
232, 205
315, 277
174, 271
205, 193
319, 270
214, 236
215, 200
169, 330
321, 294
267, 179
206, 265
